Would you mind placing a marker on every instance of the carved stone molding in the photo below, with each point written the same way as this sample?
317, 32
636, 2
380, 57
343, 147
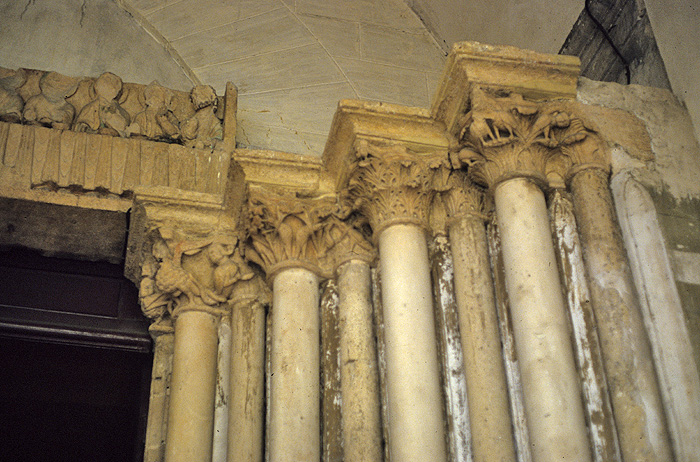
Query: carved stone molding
286, 231
184, 274
390, 184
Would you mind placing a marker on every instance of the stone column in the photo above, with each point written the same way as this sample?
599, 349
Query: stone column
295, 368
627, 354
599, 415
511, 141
287, 241
359, 379
392, 187
359, 372
191, 414
489, 416
162, 334
223, 389
246, 420
191, 282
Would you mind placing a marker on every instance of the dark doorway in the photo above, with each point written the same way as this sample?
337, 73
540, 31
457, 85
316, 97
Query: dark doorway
75, 361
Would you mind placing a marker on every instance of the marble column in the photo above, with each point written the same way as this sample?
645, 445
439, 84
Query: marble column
627, 354
392, 187
510, 141
489, 416
246, 420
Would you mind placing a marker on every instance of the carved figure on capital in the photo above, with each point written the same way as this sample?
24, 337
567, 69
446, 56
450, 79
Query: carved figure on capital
11, 103
504, 135
204, 128
104, 113
157, 121
190, 272
50, 108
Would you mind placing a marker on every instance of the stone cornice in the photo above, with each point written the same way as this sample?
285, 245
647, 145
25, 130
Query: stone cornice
379, 123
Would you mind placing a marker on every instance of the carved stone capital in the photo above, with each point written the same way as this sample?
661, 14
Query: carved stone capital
507, 136
391, 184
462, 198
347, 242
582, 148
286, 231
184, 274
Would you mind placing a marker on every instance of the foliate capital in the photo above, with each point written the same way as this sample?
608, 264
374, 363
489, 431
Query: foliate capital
392, 184
506, 136
287, 231
462, 198
190, 274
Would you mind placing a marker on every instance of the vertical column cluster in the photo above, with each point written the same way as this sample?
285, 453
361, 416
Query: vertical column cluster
517, 148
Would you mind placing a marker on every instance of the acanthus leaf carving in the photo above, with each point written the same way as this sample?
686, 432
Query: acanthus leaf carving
288, 231
506, 136
462, 197
392, 184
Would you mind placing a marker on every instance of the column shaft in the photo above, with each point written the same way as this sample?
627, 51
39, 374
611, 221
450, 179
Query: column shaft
626, 349
191, 413
550, 382
358, 365
295, 431
454, 383
158, 403
489, 417
246, 420
416, 426
223, 388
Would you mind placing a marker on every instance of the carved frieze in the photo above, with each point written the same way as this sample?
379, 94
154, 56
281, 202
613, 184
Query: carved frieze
390, 184
107, 106
190, 274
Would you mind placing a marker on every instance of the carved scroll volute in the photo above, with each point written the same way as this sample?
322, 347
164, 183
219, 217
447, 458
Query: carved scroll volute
186, 274
290, 232
506, 136
390, 184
